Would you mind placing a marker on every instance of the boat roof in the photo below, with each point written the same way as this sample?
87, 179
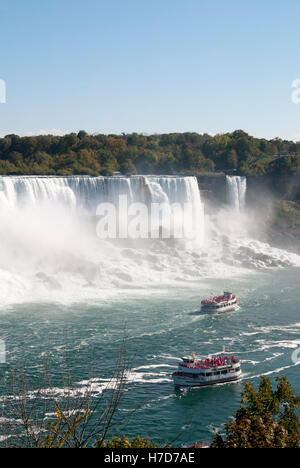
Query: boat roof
223, 354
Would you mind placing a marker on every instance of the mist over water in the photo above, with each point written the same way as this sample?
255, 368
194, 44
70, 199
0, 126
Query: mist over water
49, 249
67, 292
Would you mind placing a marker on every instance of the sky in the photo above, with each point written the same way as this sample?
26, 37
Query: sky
150, 66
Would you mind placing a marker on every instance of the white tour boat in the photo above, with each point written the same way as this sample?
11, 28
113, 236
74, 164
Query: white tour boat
224, 303
193, 372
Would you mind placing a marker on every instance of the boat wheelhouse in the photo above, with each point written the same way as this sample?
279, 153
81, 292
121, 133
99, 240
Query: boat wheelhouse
193, 372
220, 304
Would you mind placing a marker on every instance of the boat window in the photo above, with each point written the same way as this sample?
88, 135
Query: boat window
237, 369
209, 375
217, 373
224, 372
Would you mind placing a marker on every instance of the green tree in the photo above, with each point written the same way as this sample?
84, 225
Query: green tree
7, 168
232, 159
188, 152
127, 167
81, 134
146, 163
125, 443
243, 148
282, 165
133, 139
266, 419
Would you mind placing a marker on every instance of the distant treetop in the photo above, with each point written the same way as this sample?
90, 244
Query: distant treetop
173, 153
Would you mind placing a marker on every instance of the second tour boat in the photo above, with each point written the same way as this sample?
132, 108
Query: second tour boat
220, 304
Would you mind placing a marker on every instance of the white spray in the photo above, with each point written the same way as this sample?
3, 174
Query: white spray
236, 189
49, 249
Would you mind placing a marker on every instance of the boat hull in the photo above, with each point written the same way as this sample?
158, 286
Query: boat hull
181, 382
219, 310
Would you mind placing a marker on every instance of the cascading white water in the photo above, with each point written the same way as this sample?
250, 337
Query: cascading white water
183, 191
49, 249
86, 193
236, 189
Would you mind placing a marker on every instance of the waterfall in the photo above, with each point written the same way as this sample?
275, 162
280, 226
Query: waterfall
50, 250
236, 190
86, 193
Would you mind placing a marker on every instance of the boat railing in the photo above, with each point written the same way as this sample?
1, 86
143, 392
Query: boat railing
228, 363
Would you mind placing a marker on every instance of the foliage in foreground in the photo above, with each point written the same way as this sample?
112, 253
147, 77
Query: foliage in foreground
125, 443
267, 418
67, 417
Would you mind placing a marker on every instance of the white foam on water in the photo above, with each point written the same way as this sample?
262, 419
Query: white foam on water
277, 344
254, 363
154, 366
275, 356
49, 250
275, 371
293, 328
96, 386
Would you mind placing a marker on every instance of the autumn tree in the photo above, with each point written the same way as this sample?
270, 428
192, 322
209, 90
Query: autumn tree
267, 418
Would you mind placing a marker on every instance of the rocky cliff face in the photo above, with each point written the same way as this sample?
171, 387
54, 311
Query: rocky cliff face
279, 187
213, 188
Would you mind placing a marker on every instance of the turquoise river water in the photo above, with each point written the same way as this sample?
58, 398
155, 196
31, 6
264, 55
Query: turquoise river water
162, 325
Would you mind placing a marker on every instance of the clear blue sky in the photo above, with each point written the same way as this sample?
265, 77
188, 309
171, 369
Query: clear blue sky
150, 66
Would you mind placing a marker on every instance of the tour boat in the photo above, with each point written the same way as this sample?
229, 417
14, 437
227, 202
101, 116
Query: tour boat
223, 303
193, 372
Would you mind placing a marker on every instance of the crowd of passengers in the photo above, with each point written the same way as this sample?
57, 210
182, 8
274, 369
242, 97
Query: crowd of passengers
215, 362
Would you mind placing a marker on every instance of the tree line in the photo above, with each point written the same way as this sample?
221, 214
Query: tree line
174, 153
